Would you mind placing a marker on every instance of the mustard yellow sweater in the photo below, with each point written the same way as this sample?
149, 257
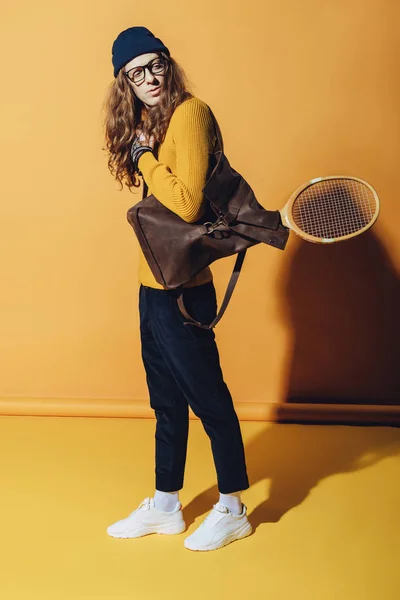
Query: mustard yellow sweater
177, 177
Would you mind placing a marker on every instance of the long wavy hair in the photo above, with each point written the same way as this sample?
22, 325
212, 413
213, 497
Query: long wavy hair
124, 112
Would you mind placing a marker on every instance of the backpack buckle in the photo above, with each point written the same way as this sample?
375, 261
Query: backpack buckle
211, 226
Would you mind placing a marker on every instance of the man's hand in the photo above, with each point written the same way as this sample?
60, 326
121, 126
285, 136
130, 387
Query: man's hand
143, 140
139, 141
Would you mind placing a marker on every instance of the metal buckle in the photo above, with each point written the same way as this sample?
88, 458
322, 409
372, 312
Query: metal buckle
213, 225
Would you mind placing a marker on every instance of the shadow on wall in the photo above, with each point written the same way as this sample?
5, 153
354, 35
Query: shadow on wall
343, 304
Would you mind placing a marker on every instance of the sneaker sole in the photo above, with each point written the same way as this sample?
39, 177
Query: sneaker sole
161, 529
243, 532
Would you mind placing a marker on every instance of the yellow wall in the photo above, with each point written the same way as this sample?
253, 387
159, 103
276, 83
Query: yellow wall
300, 89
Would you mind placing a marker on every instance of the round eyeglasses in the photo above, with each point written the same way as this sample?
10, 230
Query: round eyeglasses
157, 66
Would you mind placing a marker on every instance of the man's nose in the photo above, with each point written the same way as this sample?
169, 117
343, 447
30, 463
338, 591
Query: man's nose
149, 75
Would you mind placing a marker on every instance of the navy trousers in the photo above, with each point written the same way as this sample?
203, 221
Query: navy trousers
183, 369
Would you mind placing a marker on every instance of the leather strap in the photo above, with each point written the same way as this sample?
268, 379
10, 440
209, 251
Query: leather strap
225, 302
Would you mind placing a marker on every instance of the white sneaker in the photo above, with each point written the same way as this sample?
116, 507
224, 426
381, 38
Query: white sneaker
219, 528
148, 519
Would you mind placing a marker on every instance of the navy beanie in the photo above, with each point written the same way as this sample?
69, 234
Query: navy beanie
131, 43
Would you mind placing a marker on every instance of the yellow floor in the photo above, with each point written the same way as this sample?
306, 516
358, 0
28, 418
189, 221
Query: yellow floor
324, 503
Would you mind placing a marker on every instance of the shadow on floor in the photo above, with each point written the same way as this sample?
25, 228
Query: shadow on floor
295, 458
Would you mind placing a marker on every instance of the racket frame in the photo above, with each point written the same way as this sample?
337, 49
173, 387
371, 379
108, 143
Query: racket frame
287, 210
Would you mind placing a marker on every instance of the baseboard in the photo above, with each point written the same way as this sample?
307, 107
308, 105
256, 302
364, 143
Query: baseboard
247, 411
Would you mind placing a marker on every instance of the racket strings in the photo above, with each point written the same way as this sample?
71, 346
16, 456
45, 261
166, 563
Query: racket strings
334, 208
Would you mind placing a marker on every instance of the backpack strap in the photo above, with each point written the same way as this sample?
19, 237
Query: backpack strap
229, 291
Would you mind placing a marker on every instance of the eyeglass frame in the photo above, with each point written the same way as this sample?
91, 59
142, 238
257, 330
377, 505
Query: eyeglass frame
148, 67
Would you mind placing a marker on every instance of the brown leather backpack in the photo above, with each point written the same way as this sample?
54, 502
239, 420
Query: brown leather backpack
233, 221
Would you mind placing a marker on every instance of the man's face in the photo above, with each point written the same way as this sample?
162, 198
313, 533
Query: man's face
143, 88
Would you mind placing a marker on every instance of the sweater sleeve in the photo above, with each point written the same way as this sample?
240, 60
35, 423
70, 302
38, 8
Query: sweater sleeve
193, 135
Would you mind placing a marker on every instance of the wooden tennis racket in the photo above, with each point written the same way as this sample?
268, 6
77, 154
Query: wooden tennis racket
331, 209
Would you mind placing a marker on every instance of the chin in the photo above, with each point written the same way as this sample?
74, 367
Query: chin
153, 101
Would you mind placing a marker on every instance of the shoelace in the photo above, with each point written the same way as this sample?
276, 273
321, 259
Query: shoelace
145, 504
221, 508
213, 516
